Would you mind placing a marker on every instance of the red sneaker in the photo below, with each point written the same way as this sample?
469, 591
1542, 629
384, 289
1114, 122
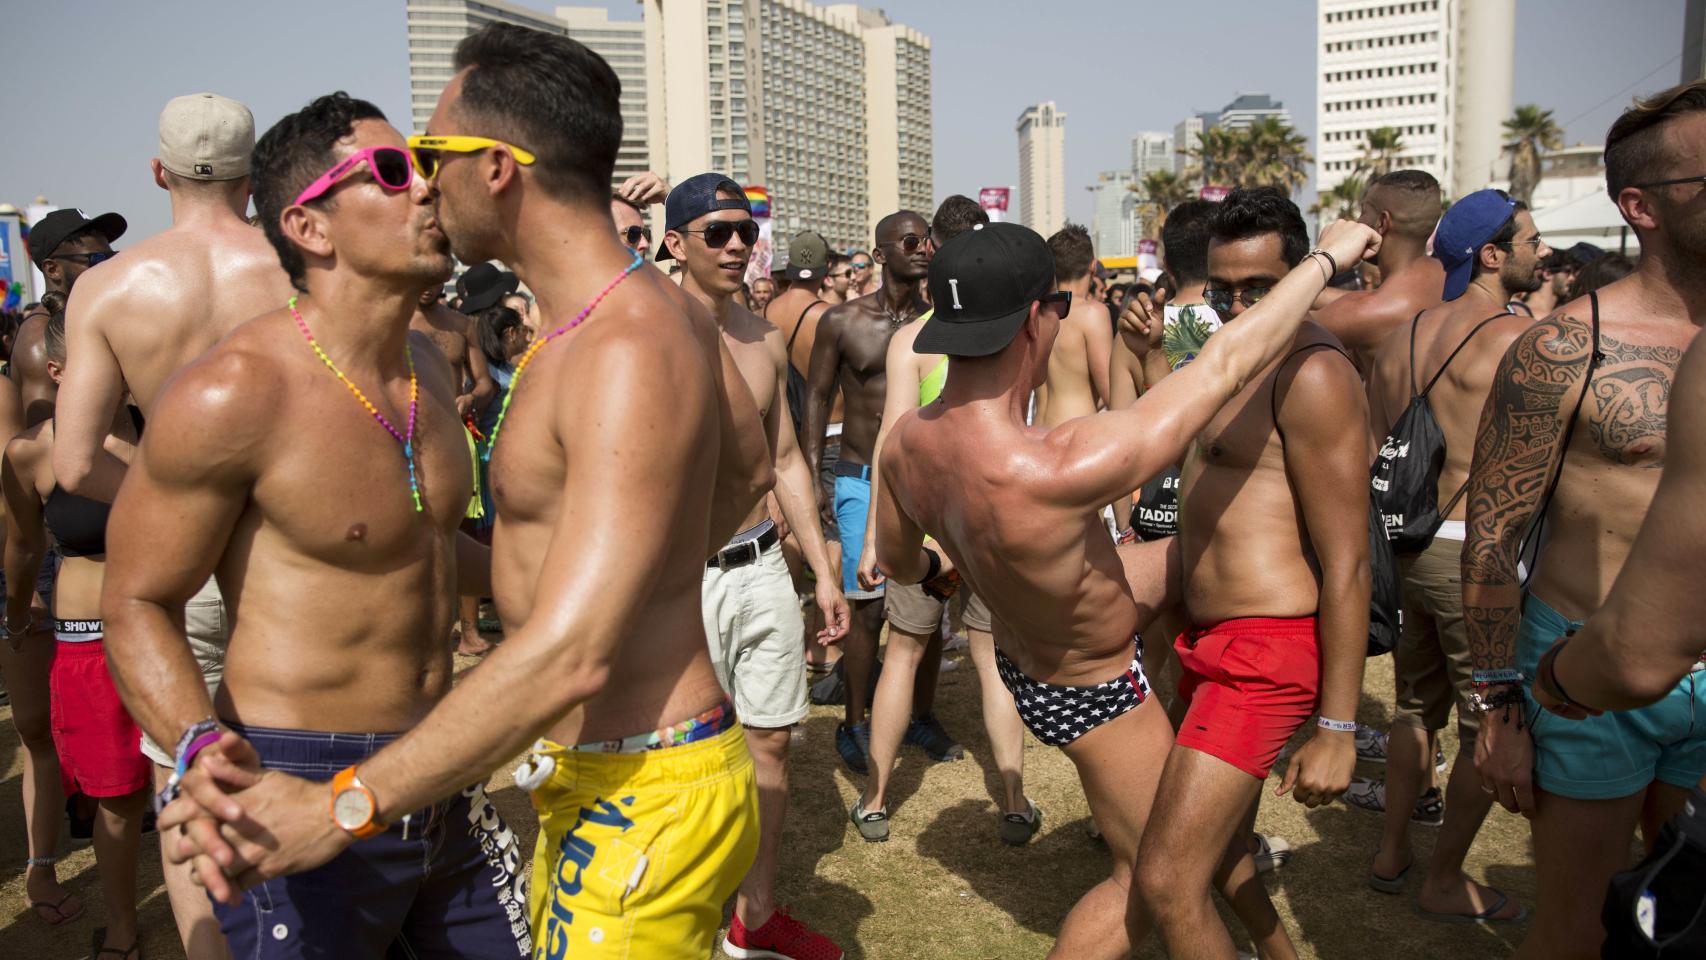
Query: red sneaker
781, 938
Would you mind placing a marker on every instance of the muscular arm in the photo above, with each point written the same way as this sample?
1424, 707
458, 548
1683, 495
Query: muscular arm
900, 541
1517, 450
900, 394
184, 492
1646, 636
821, 375
1325, 424
1108, 455
599, 571
90, 394
744, 470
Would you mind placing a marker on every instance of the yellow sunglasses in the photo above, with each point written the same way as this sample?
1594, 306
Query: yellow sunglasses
425, 150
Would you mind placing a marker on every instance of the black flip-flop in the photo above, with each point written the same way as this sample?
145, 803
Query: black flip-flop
98, 951
58, 910
1393, 885
1485, 916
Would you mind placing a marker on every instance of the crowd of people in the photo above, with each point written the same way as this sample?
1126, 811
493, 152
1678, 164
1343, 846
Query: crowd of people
671, 503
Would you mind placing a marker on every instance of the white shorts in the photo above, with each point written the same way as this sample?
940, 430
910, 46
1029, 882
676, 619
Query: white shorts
757, 638
209, 634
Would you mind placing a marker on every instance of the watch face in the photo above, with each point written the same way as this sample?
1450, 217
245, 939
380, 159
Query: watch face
352, 808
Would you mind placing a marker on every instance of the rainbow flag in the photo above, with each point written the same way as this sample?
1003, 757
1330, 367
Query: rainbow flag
760, 200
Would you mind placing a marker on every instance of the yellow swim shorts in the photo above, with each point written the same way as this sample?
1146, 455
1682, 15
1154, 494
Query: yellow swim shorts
638, 851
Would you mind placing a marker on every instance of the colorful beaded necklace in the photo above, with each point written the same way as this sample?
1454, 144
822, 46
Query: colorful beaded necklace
521, 365
407, 438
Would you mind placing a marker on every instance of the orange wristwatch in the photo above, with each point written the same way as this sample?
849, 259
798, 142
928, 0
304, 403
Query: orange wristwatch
353, 807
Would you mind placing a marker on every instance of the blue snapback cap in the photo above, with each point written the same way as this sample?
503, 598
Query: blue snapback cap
1464, 230
696, 196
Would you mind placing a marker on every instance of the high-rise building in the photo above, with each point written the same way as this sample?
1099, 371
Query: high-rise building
1112, 227
622, 43
1439, 72
828, 107
1042, 168
1187, 136
1151, 150
1247, 108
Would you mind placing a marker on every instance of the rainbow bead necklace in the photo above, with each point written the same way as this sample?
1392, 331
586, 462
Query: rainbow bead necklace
521, 365
407, 438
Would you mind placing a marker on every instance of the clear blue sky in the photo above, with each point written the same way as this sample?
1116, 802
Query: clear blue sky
90, 76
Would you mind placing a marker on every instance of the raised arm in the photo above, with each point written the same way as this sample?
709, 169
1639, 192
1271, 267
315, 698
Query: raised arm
183, 494
1102, 457
1517, 451
1646, 636
1325, 425
820, 385
89, 395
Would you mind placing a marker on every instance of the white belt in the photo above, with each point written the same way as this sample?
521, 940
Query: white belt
1452, 530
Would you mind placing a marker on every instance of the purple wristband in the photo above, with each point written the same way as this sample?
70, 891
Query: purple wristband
188, 756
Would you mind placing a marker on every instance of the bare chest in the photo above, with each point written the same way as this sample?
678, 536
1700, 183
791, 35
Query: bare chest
1625, 408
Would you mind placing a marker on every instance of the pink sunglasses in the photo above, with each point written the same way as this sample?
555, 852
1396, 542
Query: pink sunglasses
391, 169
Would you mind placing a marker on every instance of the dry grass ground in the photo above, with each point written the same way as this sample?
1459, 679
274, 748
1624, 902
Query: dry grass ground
944, 886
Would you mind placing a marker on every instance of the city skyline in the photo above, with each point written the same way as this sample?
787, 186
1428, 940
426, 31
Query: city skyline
94, 131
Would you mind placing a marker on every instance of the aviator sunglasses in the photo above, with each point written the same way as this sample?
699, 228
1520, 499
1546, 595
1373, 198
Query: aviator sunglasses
718, 232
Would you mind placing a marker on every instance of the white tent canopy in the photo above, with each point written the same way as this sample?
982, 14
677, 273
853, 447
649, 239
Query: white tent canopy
1592, 218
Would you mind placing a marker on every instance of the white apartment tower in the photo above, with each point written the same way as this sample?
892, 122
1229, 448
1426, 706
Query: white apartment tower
435, 27
1438, 71
1113, 227
827, 107
1151, 150
1042, 168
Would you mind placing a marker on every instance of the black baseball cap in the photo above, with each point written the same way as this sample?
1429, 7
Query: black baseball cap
982, 284
696, 196
52, 231
483, 286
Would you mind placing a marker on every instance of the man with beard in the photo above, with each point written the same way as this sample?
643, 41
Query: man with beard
1404, 206
1491, 250
1573, 436
752, 616
848, 355
330, 514
623, 453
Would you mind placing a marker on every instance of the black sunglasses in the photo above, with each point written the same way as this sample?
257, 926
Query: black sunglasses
631, 236
911, 242
1670, 183
717, 234
1061, 297
1221, 299
91, 259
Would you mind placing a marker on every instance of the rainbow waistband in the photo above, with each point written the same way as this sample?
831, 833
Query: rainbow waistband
702, 727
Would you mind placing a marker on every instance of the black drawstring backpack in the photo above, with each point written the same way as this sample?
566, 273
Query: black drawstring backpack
1658, 909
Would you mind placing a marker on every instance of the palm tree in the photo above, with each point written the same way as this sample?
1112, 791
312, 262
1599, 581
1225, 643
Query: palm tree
1531, 129
1274, 155
1220, 154
1380, 150
1340, 202
1161, 190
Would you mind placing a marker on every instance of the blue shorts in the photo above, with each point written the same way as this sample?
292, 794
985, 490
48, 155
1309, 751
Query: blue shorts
452, 887
852, 506
1615, 754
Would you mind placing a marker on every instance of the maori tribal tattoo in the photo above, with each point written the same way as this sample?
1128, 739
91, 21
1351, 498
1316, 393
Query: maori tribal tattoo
1628, 401
1516, 449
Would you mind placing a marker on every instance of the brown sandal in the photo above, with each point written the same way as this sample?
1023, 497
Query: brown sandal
59, 914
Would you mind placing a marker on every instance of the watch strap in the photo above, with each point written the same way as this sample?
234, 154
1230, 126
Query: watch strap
345, 780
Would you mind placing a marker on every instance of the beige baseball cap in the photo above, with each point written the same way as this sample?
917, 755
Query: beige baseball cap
205, 136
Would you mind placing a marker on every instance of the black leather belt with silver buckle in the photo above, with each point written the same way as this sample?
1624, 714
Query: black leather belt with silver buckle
743, 553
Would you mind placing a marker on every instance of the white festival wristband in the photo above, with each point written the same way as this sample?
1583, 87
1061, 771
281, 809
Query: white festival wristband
1337, 726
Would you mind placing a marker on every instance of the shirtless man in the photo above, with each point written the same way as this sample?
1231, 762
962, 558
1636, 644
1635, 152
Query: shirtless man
760, 293
195, 282
609, 491
752, 616
865, 277
1404, 206
1450, 352
1077, 382
1573, 432
848, 355
1273, 530
915, 616
628, 208
260, 465
1016, 507
64, 245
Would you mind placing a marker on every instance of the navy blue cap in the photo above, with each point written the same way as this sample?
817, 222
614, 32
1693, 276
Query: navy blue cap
696, 196
1467, 227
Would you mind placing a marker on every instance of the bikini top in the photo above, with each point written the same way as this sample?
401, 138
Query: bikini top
79, 524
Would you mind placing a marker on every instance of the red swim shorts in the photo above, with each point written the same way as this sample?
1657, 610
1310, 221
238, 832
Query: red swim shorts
1250, 683
99, 745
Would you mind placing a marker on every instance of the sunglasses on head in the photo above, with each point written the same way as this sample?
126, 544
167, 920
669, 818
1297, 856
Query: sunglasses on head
632, 235
718, 232
389, 165
428, 150
88, 259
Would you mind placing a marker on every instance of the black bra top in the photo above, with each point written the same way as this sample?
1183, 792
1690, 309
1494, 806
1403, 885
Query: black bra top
79, 524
